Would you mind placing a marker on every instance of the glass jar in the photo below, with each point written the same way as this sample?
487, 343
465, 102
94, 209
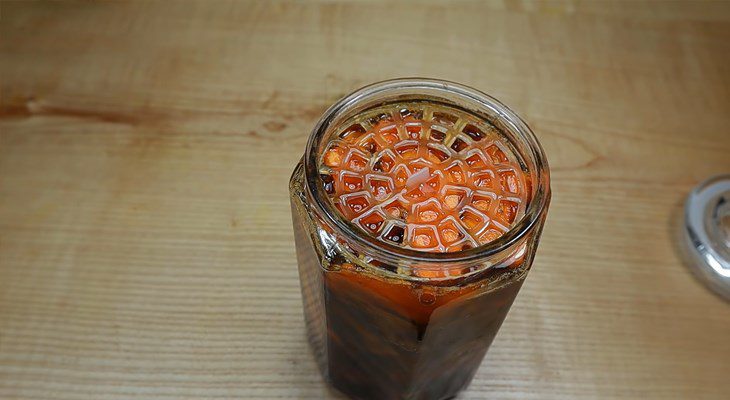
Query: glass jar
388, 322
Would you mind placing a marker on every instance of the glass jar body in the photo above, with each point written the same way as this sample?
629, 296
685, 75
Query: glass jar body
380, 333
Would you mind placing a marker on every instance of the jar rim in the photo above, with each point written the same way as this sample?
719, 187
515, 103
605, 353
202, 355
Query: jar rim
488, 104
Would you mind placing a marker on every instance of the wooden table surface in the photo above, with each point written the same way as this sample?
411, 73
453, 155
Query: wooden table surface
146, 248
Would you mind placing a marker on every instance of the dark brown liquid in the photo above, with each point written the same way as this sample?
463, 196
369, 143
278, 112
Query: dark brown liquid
399, 342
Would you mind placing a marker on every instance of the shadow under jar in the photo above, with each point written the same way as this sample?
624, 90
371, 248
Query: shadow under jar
417, 210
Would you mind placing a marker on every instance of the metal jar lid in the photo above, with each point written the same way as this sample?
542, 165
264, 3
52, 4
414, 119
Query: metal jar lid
707, 233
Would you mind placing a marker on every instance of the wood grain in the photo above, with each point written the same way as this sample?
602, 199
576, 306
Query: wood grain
146, 247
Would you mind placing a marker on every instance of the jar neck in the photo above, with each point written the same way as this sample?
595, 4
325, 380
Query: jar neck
449, 94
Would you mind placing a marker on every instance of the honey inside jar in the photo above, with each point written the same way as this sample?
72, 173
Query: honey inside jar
424, 177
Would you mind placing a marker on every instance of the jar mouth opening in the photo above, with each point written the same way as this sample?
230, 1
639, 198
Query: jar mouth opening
447, 93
